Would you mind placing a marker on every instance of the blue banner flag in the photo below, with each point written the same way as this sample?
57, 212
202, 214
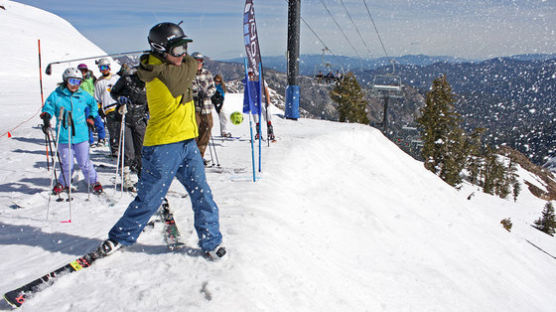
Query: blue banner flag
251, 94
250, 39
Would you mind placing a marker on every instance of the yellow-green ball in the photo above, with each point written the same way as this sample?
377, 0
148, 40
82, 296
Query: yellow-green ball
236, 118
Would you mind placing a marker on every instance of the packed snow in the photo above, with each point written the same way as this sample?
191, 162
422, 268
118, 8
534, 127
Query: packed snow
340, 218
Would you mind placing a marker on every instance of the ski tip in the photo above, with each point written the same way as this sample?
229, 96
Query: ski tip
8, 305
66, 221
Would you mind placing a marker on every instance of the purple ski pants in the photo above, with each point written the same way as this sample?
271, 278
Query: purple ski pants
79, 152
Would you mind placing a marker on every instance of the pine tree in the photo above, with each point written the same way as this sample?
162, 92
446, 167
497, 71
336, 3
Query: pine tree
352, 106
547, 223
513, 181
474, 161
443, 138
487, 171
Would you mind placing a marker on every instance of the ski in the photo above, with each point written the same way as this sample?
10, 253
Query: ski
225, 170
17, 297
172, 235
230, 139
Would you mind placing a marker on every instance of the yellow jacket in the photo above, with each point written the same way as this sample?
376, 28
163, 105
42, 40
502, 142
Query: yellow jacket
171, 107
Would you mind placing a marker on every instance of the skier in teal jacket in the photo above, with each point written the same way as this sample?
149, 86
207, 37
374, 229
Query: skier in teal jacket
73, 128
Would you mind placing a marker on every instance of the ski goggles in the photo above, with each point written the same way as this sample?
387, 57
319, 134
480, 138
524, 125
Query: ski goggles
178, 50
74, 81
103, 67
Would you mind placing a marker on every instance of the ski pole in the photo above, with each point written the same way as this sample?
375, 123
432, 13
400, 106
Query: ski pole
120, 154
70, 161
215, 154
63, 123
252, 148
123, 155
53, 159
211, 156
58, 126
48, 70
118, 160
46, 146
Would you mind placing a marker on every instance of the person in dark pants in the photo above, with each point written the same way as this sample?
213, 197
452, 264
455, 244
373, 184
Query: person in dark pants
130, 93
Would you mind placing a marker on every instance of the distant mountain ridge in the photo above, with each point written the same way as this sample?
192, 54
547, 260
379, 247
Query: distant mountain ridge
310, 64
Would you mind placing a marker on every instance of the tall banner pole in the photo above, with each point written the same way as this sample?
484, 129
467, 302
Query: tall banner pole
247, 109
47, 139
259, 102
40, 73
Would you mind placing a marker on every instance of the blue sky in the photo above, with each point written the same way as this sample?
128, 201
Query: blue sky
463, 28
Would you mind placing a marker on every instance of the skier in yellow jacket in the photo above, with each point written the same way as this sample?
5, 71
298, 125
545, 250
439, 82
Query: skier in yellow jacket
169, 147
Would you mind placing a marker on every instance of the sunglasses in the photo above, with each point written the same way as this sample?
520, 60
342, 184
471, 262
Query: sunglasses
74, 81
103, 67
217, 81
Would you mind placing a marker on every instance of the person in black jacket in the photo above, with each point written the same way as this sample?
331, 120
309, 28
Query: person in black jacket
130, 93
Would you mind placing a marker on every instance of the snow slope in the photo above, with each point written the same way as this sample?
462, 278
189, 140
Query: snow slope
340, 220
21, 26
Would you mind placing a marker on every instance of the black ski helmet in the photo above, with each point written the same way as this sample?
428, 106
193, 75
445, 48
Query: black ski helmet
164, 35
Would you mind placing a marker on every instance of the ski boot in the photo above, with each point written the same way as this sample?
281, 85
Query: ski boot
107, 248
128, 184
97, 188
270, 131
216, 254
258, 134
58, 188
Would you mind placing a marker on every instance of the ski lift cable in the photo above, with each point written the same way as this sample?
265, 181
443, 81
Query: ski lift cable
316, 35
339, 27
356, 28
376, 29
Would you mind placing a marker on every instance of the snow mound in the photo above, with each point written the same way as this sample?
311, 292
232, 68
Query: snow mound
21, 27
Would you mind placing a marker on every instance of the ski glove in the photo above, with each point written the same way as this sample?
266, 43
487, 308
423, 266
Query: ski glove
123, 100
122, 107
46, 122
91, 123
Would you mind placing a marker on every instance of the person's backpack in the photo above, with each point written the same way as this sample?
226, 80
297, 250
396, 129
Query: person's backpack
217, 99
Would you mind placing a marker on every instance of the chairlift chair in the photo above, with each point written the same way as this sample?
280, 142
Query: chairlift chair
324, 75
389, 85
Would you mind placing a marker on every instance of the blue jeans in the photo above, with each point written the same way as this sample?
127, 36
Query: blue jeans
161, 163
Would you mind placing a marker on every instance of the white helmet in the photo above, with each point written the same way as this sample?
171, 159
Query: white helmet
198, 56
71, 72
103, 61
